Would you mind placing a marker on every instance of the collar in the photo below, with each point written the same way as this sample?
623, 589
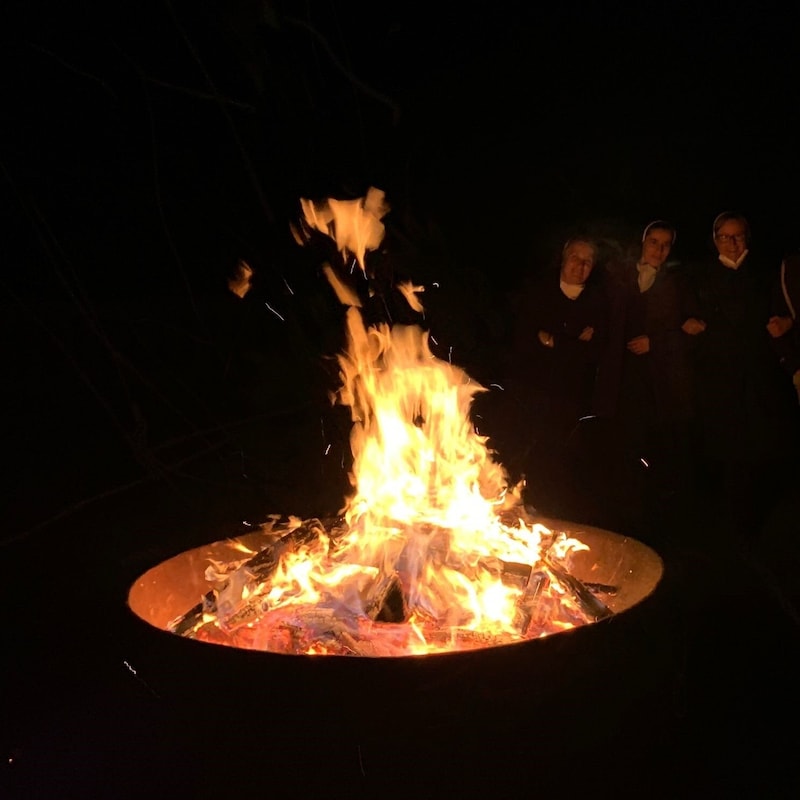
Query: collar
572, 290
647, 276
730, 263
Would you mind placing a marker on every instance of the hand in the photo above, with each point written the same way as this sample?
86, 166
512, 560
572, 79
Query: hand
693, 326
586, 334
778, 326
546, 338
639, 345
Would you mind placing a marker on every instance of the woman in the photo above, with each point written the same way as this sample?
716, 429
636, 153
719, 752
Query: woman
745, 401
656, 396
561, 331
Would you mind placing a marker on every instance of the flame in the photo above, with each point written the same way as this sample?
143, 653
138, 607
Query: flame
355, 225
428, 508
423, 477
241, 282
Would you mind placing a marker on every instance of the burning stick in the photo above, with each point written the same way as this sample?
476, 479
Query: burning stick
227, 602
530, 607
510, 573
591, 606
262, 565
385, 601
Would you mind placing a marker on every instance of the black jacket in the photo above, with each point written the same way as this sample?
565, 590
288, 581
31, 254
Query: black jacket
746, 402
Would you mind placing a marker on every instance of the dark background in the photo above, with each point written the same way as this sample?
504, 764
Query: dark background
145, 147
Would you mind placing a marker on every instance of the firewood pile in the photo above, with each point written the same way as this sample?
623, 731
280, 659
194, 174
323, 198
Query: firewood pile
377, 611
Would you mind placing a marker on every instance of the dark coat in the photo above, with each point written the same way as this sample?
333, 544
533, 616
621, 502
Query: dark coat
657, 385
557, 383
746, 402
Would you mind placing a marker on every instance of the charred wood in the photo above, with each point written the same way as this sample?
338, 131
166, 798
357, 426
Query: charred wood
258, 569
385, 601
594, 608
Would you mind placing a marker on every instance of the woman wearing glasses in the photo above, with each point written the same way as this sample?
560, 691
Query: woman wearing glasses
746, 408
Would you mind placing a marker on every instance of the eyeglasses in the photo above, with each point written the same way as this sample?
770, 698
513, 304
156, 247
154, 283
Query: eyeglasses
723, 238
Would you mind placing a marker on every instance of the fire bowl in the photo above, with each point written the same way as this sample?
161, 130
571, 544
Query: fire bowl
400, 724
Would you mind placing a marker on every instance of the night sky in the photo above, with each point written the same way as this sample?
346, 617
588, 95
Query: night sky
146, 146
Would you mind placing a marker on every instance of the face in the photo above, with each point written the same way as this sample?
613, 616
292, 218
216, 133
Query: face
656, 247
577, 263
730, 239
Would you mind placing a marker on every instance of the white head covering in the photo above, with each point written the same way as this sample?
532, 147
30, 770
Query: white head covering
662, 224
647, 272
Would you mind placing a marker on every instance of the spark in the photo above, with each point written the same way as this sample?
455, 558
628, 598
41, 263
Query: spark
286, 284
496, 386
274, 312
327, 449
136, 675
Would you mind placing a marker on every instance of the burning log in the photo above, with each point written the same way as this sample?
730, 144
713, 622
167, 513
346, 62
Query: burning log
230, 603
262, 565
510, 573
385, 601
530, 609
464, 639
234, 613
589, 604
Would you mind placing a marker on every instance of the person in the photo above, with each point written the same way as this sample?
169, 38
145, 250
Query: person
656, 407
561, 329
746, 405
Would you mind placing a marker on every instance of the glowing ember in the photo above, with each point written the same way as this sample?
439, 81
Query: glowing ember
434, 551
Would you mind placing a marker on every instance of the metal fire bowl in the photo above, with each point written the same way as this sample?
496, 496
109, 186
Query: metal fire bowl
553, 700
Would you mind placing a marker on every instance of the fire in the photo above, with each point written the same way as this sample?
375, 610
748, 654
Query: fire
433, 550
426, 489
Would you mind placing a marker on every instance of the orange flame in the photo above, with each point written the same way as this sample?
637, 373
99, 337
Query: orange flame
427, 495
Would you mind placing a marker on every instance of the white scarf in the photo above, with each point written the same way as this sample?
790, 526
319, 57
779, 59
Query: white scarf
730, 263
647, 276
571, 290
